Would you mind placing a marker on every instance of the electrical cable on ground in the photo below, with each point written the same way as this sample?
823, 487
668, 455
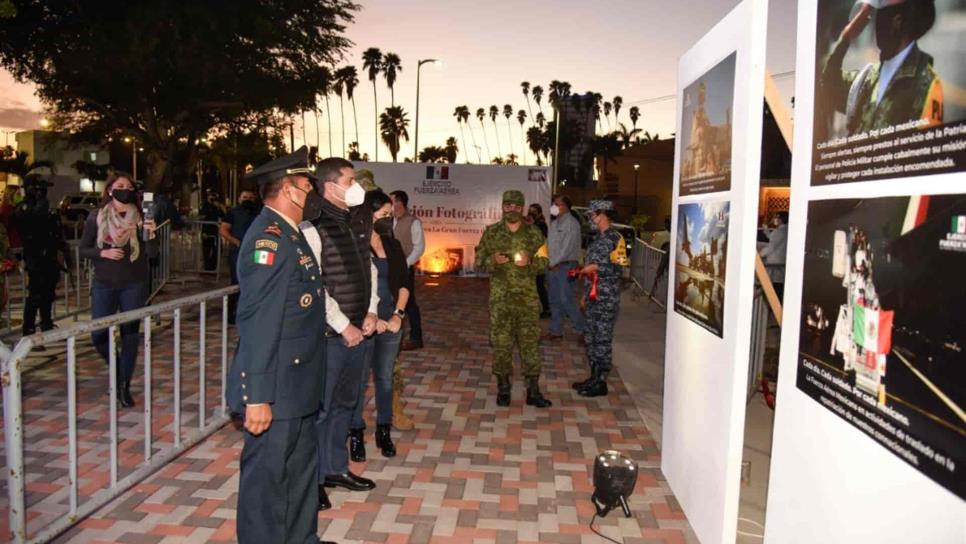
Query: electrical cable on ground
600, 534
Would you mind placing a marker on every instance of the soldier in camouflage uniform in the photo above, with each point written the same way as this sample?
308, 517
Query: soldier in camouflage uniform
514, 253
902, 86
606, 257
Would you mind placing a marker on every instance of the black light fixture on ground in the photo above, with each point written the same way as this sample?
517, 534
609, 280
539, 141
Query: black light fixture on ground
615, 476
636, 168
416, 134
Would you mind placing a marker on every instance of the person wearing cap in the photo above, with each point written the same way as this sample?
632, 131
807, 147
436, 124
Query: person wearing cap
903, 86
514, 253
45, 253
603, 266
276, 376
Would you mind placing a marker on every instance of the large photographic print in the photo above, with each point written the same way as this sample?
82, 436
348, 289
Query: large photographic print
706, 130
889, 99
884, 325
700, 260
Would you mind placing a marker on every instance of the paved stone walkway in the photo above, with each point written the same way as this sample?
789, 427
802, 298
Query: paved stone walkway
469, 473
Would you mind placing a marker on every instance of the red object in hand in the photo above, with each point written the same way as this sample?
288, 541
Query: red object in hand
579, 271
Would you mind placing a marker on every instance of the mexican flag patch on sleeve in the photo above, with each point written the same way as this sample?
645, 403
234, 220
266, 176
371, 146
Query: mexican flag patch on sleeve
264, 257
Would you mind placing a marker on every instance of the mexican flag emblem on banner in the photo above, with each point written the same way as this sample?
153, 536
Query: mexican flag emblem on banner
872, 329
264, 257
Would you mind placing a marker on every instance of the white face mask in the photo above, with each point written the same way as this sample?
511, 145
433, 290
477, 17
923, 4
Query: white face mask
554, 210
354, 195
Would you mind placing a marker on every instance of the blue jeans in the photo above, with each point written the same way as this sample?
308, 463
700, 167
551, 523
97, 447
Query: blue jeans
562, 302
107, 300
343, 373
380, 362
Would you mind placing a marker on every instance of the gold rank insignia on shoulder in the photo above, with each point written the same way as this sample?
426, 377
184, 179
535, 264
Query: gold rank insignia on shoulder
306, 300
266, 244
274, 230
619, 255
294, 238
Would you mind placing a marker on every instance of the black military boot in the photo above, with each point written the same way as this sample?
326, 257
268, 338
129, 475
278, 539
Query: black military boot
357, 445
582, 384
384, 441
596, 388
126, 394
534, 396
502, 390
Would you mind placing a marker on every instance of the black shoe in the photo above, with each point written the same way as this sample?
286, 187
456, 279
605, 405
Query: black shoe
384, 441
357, 445
126, 393
324, 503
412, 345
580, 385
534, 396
545, 315
502, 390
349, 481
597, 387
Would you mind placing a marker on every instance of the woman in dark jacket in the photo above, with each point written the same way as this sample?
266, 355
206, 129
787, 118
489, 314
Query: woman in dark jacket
394, 286
114, 241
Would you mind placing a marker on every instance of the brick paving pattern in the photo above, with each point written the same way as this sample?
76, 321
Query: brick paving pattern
469, 473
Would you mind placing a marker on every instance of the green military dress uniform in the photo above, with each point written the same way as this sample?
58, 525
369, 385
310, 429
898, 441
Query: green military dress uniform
514, 303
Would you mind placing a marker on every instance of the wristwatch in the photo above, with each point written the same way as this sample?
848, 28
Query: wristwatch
401, 314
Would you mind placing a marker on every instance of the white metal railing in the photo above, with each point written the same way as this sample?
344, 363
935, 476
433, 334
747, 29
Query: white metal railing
649, 271
188, 247
13, 366
761, 318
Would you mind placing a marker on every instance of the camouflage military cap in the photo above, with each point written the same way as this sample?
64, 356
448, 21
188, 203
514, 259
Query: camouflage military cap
365, 178
601, 205
513, 197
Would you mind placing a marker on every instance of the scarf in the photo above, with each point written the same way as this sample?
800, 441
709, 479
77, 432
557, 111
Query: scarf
116, 230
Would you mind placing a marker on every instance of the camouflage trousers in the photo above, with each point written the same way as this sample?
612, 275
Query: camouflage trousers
599, 329
515, 326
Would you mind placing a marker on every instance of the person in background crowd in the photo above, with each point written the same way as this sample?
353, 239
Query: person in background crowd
393, 282
211, 213
114, 241
45, 253
232, 229
535, 217
603, 265
275, 379
774, 253
408, 229
563, 242
341, 239
513, 253
165, 210
6, 265
8, 207
662, 267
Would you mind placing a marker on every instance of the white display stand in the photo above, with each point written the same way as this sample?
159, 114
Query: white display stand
705, 370
829, 481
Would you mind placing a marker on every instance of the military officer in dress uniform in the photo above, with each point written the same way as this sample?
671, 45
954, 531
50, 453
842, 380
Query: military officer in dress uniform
514, 253
902, 86
276, 375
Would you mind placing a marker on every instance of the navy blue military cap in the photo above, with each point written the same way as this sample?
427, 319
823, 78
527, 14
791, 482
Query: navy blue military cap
297, 163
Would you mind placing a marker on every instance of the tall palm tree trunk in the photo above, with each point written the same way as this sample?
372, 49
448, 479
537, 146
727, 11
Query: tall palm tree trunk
375, 113
509, 133
463, 141
328, 119
318, 135
355, 119
473, 135
342, 116
486, 142
496, 132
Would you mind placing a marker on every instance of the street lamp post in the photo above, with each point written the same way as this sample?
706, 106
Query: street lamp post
134, 153
636, 168
416, 136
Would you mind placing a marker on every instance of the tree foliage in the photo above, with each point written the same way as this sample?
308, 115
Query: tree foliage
166, 72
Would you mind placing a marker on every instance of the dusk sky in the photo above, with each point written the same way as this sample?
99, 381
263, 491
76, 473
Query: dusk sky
626, 48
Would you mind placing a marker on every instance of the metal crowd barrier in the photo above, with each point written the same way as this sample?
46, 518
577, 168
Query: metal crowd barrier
761, 318
647, 273
189, 245
13, 365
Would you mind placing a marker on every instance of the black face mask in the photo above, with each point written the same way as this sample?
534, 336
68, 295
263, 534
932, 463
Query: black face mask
383, 227
313, 206
124, 196
248, 204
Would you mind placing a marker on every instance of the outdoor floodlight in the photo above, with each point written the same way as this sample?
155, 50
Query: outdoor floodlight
614, 478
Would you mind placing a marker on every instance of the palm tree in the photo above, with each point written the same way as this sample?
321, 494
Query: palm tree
19, 164
432, 154
526, 95
337, 88
349, 77
635, 114
607, 109
596, 106
326, 91
465, 115
318, 134
556, 92
451, 150
606, 147
522, 118
508, 113
541, 120
537, 93
481, 114
511, 160
391, 66
458, 114
393, 125
494, 111
626, 136
372, 61
618, 102
535, 140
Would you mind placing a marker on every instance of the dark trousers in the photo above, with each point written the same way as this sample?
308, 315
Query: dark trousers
41, 291
233, 299
412, 311
542, 293
107, 300
277, 493
344, 367
209, 251
381, 361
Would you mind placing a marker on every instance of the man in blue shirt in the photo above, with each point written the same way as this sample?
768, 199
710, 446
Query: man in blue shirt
233, 228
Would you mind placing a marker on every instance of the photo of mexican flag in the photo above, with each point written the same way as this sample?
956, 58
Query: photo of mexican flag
264, 257
872, 329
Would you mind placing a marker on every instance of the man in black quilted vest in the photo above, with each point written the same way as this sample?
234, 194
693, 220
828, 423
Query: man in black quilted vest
344, 230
